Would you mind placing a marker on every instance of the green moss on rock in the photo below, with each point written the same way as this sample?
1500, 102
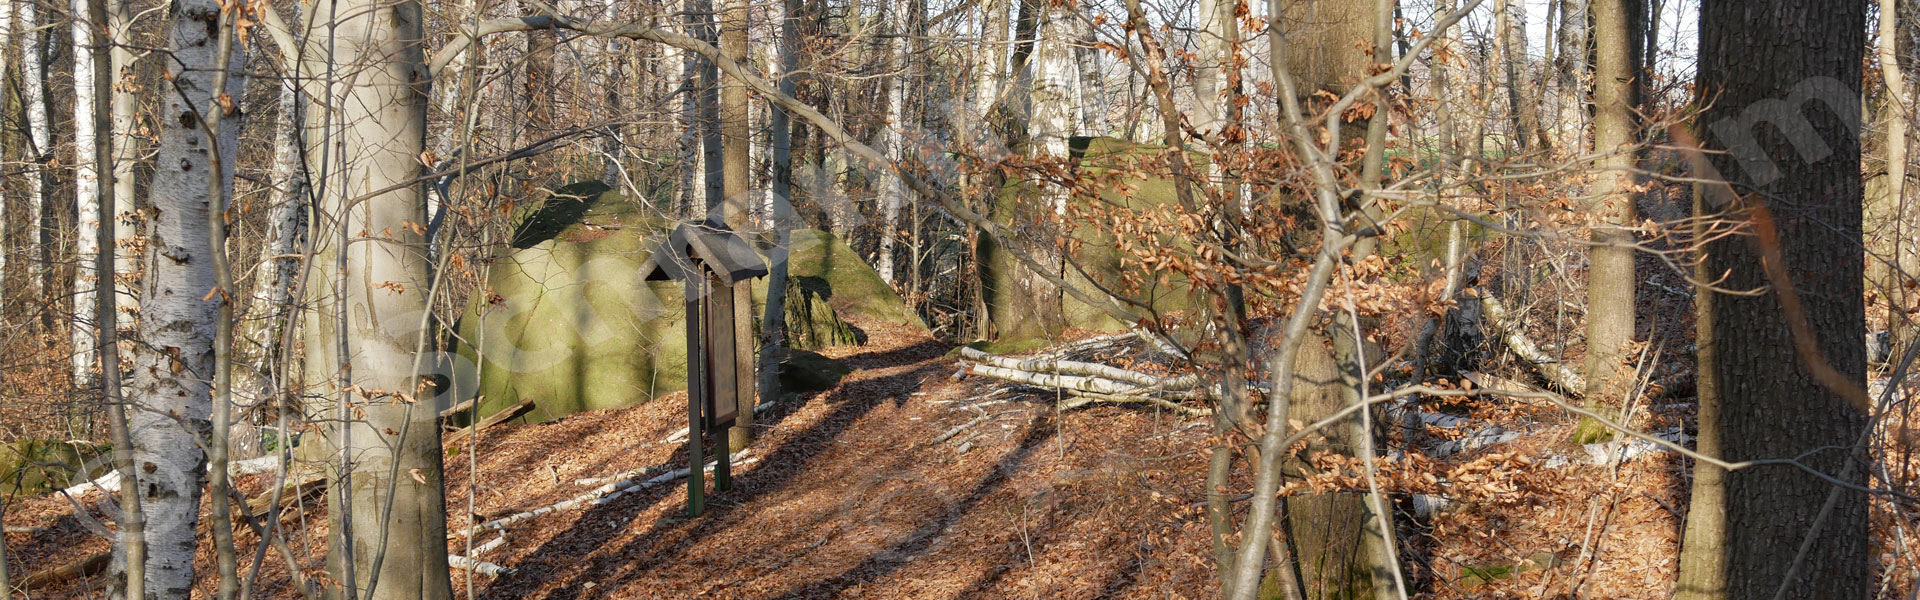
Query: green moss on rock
1022, 305
35, 466
566, 320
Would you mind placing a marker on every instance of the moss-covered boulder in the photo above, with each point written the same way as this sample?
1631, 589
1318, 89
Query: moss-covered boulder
566, 320
1114, 177
34, 466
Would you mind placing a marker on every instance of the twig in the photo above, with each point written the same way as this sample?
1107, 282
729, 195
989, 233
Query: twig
963, 427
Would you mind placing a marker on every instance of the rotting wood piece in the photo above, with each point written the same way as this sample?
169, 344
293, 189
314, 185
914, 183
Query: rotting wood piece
89, 567
512, 412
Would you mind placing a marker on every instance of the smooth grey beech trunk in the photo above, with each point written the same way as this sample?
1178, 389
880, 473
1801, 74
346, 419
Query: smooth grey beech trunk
172, 367
369, 288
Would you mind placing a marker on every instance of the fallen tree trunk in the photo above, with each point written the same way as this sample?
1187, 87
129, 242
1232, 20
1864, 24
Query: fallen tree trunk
1069, 367
512, 412
110, 482
1514, 334
92, 565
1077, 383
478, 566
1084, 398
600, 495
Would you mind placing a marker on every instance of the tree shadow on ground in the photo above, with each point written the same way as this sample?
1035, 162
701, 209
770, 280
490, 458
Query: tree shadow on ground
915, 544
566, 555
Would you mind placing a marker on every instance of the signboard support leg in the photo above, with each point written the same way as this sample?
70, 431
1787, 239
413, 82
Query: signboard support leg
696, 405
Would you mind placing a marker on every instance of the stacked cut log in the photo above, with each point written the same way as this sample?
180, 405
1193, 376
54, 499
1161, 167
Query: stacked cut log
1088, 382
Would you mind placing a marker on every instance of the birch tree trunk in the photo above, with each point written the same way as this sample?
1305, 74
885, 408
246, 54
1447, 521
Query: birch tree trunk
86, 187
892, 190
773, 322
173, 366
33, 86
7, 240
1093, 82
270, 309
370, 294
126, 153
682, 74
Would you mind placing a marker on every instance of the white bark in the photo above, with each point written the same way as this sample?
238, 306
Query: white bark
1055, 107
86, 186
478, 566
1092, 82
992, 65
125, 154
893, 191
33, 84
6, 241
174, 365
1054, 365
1514, 334
271, 304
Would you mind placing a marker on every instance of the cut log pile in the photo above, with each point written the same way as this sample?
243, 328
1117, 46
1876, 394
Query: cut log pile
1087, 382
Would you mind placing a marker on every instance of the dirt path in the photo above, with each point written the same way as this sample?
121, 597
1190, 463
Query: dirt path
848, 499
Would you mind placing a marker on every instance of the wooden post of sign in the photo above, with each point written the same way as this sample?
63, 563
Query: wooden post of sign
697, 395
722, 375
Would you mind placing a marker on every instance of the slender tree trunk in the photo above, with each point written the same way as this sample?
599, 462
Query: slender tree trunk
683, 74
773, 323
1511, 32
86, 185
712, 160
1570, 71
737, 177
174, 365
1782, 373
990, 71
229, 68
270, 309
33, 84
1610, 280
126, 152
893, 191
1093, 81
1890, 220
370, 293
7, 240
129, 561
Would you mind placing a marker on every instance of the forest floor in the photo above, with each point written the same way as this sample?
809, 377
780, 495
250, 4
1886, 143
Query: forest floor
850, 496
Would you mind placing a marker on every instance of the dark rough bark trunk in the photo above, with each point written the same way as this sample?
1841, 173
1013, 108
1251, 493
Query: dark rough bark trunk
1785, 78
